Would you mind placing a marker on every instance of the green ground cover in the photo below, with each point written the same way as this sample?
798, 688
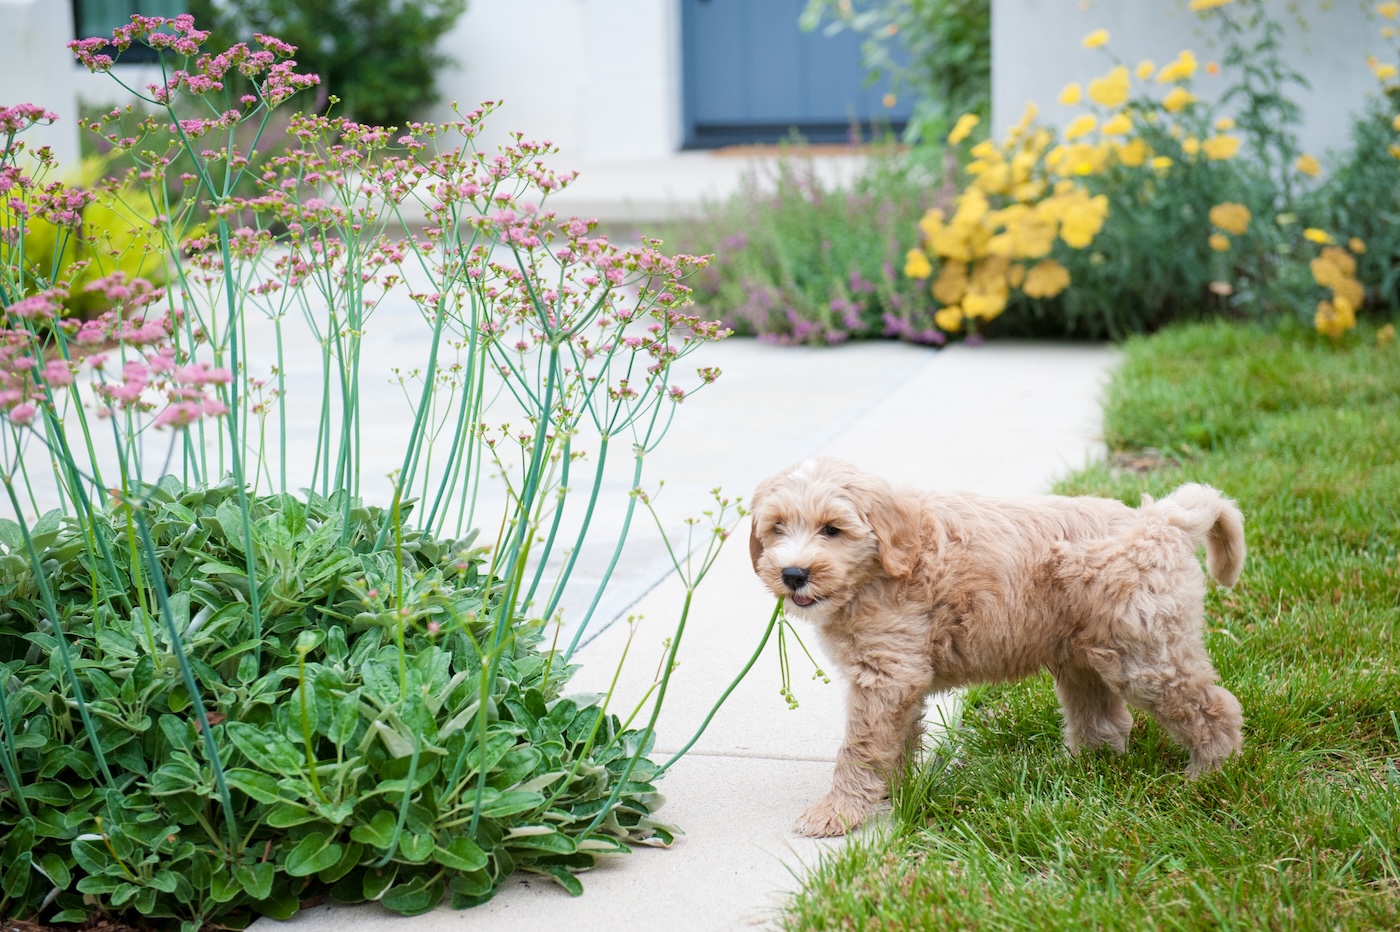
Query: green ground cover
1003, 830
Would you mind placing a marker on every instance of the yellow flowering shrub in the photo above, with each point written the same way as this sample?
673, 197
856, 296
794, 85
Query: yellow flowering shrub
1006, 222
1152, 199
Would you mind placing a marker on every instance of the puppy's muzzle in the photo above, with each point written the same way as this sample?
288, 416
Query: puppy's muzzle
795, 577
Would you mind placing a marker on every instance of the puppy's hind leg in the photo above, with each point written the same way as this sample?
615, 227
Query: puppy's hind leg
1181, 694
1095, 715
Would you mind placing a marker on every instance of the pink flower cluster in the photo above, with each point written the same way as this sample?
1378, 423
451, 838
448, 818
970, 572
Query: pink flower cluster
278, 78
161, 376
22, 116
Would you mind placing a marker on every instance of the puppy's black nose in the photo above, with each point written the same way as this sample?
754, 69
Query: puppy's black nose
794, 577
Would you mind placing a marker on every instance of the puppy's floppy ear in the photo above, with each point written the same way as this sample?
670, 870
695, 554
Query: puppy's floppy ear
755, 545
896, 520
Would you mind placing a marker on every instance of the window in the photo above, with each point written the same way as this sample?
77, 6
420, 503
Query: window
100, 17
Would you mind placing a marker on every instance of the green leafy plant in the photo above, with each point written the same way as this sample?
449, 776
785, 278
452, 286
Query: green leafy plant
355, 748
227, 681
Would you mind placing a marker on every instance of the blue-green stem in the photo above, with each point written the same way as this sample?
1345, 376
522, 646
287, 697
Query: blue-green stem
187, 673
10, 761
568, 570
762, 643
650, 729
60, 638
612, 564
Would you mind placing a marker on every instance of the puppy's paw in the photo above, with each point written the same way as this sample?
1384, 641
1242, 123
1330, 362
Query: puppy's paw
831, 815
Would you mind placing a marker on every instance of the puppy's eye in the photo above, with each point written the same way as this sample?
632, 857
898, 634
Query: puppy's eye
831, 531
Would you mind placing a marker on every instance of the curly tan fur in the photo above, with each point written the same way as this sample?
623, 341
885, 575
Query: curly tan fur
916, 592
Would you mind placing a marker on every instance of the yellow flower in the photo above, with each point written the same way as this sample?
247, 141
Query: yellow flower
1357, 245
963, 127
1197, 6
1135, 153
949, 318
931, 223
1081, 125
1386, 333
1178, 99
1395, 123
1221, 147
1083, 220
1190, 145
1046, 279
1313, 234
1332, 267
1111, 90
1231, 217
889, 100
1095, 39
1383, 72
1308, 165
984, 305
1072, 94
1162, 162
951, 283
1334, 318
1388, 10
1394, 150
1120, 124
1181, 68
1219, 242
916, 264
1145, 68
1225, 124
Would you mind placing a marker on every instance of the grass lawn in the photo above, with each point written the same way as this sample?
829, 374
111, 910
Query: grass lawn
1005, 831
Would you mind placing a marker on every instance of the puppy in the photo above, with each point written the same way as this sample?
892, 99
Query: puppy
916, 592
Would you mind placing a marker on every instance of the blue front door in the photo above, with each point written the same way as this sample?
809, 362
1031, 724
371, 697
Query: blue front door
751, 75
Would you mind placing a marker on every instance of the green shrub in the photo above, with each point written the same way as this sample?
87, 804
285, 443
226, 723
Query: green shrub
380, 57
366, 681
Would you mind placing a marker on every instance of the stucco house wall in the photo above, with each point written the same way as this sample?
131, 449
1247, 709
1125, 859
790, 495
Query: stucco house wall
34, 69
599, 78
1036, 51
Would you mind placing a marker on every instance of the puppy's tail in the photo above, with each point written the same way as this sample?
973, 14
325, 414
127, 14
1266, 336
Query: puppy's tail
1210, 518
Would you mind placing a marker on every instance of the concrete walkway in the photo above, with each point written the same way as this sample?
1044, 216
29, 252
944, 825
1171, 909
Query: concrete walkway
1003, 418
679, 186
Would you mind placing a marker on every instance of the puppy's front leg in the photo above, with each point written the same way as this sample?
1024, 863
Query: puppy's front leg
878, 725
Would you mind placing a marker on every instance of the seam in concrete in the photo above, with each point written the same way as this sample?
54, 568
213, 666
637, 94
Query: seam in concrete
750, 755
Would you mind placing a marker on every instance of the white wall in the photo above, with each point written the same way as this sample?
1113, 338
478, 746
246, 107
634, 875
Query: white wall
599, 78
1036, 51
34, 69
